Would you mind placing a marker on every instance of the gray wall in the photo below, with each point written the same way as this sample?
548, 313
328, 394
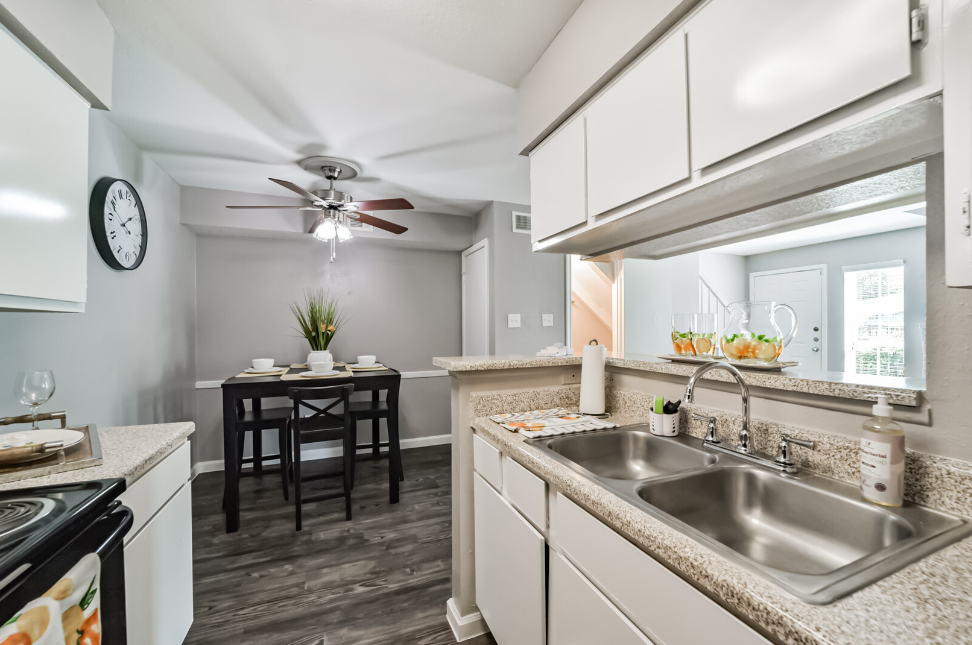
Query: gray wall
130, 358
907, 245
520, 281
402, 305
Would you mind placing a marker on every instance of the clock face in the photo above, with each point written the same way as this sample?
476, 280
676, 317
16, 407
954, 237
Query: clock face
118, 223
123, 224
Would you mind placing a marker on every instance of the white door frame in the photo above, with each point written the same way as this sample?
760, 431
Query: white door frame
823, 300
484, 245
568, 314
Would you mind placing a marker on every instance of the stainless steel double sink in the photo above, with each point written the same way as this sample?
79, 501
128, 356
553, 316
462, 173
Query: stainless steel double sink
811, 535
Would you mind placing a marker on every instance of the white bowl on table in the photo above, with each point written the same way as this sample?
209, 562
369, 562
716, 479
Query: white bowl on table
262, 364
367, 361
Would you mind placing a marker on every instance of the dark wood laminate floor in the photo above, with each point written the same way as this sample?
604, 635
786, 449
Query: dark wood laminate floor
384, 577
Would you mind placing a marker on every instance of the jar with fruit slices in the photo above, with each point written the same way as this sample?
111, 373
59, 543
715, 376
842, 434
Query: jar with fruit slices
751, 332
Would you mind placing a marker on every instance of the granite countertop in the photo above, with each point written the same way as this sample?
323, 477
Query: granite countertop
127, 452
902, 391
926, 602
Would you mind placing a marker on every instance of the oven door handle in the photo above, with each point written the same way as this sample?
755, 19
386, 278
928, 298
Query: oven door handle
122, 519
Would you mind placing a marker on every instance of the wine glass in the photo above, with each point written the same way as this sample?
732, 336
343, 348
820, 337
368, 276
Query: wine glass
34, 389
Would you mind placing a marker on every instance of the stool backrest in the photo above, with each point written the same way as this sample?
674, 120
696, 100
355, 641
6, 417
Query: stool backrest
339, 394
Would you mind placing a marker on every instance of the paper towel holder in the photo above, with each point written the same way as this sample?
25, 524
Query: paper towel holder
602, 415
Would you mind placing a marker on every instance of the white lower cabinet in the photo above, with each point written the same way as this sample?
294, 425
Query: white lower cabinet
580, 614
158, 554
668, 609
510, 570
601, 588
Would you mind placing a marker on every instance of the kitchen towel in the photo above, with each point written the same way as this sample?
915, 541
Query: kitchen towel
592, 379
545, 423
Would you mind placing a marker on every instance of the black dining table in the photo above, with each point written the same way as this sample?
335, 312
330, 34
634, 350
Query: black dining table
260, 387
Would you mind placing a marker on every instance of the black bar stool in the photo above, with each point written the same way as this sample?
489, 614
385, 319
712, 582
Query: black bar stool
322, 425
375, 410
256, 421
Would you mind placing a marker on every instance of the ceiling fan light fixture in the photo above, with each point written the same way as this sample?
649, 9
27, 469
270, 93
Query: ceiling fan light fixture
326, 231
343, 233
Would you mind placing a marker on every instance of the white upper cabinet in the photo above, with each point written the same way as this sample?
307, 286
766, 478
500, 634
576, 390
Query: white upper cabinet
43, 186
637, 131
558, 194
758, 68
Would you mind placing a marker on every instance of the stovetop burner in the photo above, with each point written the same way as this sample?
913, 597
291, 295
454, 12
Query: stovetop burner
15, 514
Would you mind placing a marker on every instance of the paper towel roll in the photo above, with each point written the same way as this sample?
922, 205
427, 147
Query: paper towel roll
592, 379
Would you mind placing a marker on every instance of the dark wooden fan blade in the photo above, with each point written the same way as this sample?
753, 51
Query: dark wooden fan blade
275, 207
383, 205
289, 185
384, 225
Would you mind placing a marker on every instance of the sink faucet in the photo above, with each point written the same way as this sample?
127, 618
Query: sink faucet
743, 445
782, 462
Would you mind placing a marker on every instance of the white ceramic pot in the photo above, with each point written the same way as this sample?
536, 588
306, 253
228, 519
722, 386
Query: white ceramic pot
323, 356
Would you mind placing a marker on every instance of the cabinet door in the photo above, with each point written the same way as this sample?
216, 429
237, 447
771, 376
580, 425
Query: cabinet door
558, 196
758, 68
158, 576
510, 576
581, 615
637, 131
43, 186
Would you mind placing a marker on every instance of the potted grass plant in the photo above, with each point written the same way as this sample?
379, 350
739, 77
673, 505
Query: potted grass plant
318, 318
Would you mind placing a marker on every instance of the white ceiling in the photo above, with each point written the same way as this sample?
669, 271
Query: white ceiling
894, 219
420, 93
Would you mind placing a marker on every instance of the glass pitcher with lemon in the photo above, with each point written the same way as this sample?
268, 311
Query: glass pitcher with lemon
751, 333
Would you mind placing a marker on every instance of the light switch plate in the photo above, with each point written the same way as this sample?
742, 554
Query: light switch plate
546, 320
512, 320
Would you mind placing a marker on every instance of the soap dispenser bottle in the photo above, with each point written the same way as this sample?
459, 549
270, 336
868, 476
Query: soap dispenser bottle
882, 457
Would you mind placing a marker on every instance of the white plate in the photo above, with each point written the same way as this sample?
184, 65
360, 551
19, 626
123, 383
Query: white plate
357, 366
253, 370
313, 374
44, 435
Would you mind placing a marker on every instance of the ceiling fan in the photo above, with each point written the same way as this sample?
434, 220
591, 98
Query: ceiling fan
337, 208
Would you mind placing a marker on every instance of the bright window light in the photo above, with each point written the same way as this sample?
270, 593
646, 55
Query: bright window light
874, 320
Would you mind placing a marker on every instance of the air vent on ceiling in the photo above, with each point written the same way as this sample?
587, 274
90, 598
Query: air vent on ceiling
355, 225
521, 222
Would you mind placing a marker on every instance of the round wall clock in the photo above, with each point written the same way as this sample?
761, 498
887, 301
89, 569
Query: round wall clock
118, 223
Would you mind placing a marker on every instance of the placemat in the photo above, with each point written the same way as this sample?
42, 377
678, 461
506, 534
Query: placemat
297, 377
303, 366
376, 368
280, 372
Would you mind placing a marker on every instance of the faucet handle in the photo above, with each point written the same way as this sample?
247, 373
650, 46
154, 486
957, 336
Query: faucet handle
784, 447
710, 436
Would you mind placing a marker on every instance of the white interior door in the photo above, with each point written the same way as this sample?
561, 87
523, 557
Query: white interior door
805, 290
475, 300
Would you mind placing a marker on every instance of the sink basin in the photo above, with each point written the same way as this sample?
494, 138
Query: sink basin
777, 522
811, 535
628, 453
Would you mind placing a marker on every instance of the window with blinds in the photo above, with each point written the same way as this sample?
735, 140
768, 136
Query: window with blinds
874, 320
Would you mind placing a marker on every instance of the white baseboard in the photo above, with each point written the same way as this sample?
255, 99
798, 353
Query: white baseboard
324, 453
465, 627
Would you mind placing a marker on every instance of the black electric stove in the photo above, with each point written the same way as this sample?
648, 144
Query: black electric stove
45, 533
